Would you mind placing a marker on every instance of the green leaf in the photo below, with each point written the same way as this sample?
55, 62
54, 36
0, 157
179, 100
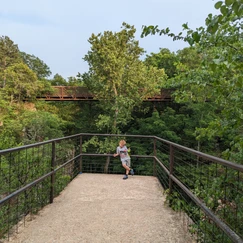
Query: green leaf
220, 18
214, 28
224, 10
213, 66
240, 11
216, 61
226, 64
190, 41
229, 2
196, 37
235, 6
218, 4
185, 26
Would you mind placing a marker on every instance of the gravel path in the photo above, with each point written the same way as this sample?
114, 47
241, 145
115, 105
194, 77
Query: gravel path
97, 208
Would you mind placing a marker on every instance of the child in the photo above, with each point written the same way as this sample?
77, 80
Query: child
125, 158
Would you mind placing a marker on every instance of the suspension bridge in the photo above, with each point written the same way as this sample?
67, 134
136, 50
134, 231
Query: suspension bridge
55, 191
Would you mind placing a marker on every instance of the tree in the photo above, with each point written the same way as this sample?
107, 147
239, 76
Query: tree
36, 65
9, 54
40, 126
58, 80
189, 57
163, 60
120, 79
21, 83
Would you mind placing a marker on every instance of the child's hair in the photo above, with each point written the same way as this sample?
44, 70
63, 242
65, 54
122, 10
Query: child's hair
123, 142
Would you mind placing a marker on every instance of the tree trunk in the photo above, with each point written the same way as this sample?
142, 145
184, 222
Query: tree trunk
107, 164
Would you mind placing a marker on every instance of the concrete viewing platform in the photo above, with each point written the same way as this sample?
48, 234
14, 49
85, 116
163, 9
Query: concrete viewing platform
100, 208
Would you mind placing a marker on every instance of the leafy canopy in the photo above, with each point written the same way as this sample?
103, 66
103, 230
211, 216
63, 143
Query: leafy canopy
117, 76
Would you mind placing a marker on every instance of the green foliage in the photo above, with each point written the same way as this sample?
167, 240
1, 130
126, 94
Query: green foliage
167, 124
61, 182
9, 55
10, 135
98, 146
175, 201
190, 58
221, 24
119, 77
217, 78
41, 126
76, 81
22, 78
21, 83
163, 60
36, 65
30, 127
58, 80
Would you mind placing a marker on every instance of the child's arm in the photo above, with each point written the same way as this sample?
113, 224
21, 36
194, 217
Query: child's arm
128, 151
117, 152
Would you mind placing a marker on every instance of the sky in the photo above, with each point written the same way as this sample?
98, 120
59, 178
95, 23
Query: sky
57, 31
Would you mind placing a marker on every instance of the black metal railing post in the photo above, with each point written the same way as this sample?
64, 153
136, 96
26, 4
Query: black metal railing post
80, 151
155, 153
171, 167
53, 160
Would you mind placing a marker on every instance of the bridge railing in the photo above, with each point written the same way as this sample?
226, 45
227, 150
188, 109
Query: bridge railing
75, 93
208, 189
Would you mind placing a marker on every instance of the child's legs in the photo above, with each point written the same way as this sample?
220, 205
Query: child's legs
126, 165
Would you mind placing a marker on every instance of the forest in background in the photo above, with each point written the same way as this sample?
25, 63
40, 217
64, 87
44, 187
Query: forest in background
207, 111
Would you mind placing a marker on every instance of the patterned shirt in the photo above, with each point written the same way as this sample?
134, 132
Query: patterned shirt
123, 152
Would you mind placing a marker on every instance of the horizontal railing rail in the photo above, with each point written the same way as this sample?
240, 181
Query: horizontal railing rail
207, 188
78, 93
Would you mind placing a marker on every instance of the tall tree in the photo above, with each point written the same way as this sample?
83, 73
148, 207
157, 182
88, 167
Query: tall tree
120, 79
9, 54
165, 59
189, 57
21, 83
58, 80
36, 65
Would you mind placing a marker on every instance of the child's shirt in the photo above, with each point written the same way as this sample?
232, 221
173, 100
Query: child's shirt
123, 152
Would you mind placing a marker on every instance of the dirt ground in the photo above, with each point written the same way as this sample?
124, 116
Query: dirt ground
97, 208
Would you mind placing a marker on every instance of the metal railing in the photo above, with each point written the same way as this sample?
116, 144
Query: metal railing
208, 189
75, 93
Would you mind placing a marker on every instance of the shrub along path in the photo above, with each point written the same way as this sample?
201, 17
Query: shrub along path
105, 208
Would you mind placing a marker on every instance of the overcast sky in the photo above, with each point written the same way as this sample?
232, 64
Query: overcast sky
57, 31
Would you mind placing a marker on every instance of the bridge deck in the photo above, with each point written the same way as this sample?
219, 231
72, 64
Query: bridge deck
105, 208
76, 93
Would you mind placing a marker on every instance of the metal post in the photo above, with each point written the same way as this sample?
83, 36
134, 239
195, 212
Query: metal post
155, 153
171, 167
80, 151
53, 159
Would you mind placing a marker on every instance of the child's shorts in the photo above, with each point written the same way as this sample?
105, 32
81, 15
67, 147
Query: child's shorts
126, 162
